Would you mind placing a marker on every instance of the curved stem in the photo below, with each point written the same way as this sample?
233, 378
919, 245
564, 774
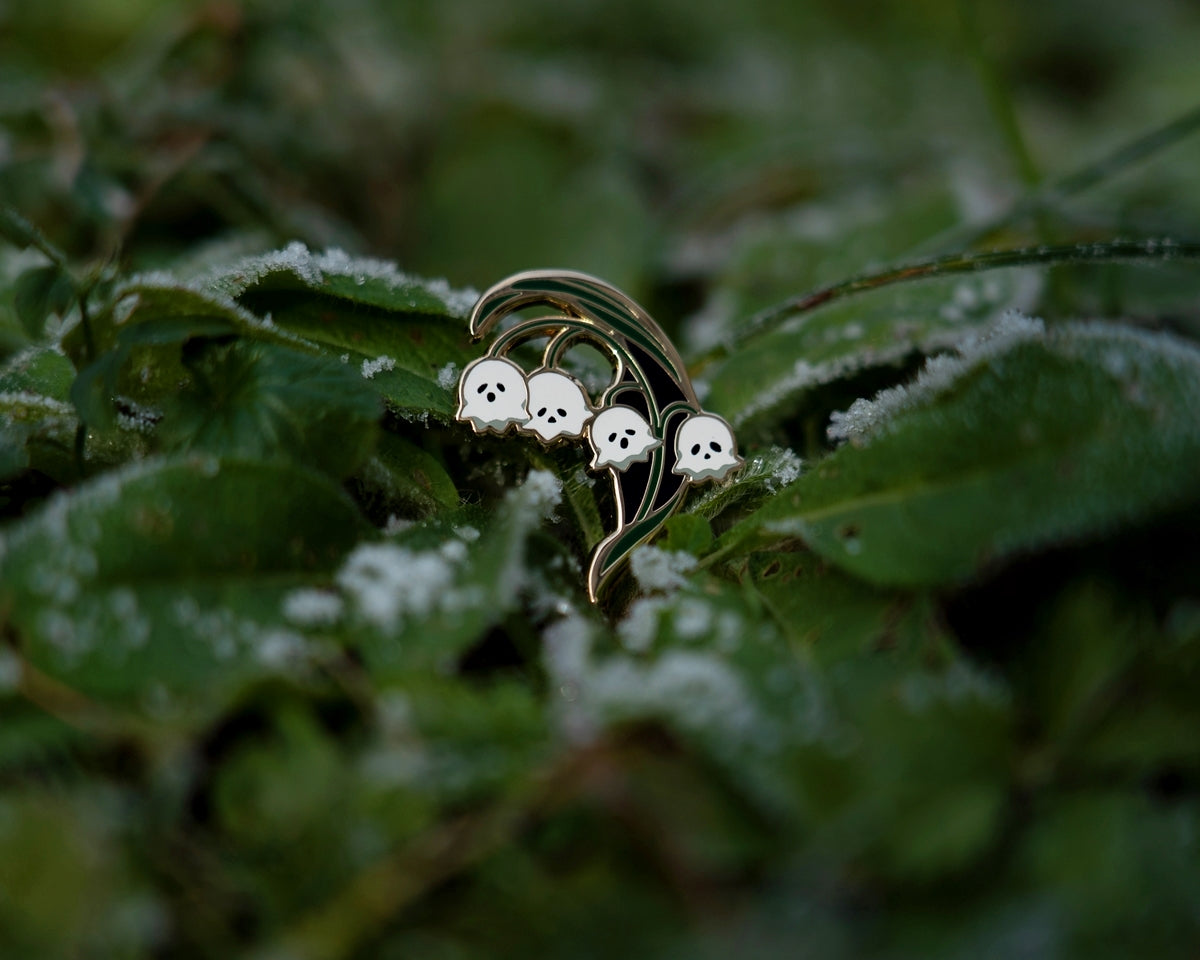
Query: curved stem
1115, 251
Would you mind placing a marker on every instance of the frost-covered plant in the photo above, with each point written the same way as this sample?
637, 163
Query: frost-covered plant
295, 664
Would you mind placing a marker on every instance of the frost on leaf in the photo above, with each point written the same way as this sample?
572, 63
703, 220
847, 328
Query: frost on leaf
660, 570
940, 373
764, 473
390, 586
694, 691
386, 583
874, 329
312, 608
372, 367
317, 270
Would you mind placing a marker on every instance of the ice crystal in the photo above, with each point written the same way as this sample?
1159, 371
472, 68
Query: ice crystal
865, 417
372, 367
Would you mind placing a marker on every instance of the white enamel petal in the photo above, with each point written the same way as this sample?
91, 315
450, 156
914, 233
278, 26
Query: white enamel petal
705, 448
620, 436
558, 407
492, 394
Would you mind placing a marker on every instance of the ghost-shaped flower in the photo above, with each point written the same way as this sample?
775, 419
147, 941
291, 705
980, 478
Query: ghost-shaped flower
704, 448
620, 436
558, 407
492, 394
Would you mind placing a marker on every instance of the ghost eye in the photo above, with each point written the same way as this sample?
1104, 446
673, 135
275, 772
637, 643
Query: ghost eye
630, 432
612, 437
500, 387
715, 446
482, 387
562, 412
695, 449
542, 412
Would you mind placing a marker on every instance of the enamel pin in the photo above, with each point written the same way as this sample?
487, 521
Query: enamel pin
646, 428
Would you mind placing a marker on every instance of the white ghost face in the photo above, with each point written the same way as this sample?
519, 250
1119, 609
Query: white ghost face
492, 394
704, 448
558, 406
620, 436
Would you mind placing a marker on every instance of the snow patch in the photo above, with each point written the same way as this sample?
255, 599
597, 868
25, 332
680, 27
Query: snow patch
566, 649
540, 493
372, 367
694, 690
638, 631
395, 525
279, 648
661, 570
312, 608
447, 377
386, 583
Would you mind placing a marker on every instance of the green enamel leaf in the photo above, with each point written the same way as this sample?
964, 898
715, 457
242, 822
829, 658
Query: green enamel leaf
1053, 438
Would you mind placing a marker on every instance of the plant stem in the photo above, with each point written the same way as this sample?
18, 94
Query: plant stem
1114, 251
998, 96
1049, 195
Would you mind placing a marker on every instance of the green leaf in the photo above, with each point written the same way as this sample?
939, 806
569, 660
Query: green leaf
918, 774
63, 876
21, 234
763, 474
1023, 444
259, 401
38, 432
40, 292
14, 228
1120, 867
402, 479
773, 372
405, 334
688, 532
138, 340
414, 602
161, 585
360, 280
409, 361
42, 370
833, 616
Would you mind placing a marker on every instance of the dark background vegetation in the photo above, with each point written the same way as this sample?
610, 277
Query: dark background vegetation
938, 697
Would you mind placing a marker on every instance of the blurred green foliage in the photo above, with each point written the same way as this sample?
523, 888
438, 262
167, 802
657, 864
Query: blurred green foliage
292, 665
